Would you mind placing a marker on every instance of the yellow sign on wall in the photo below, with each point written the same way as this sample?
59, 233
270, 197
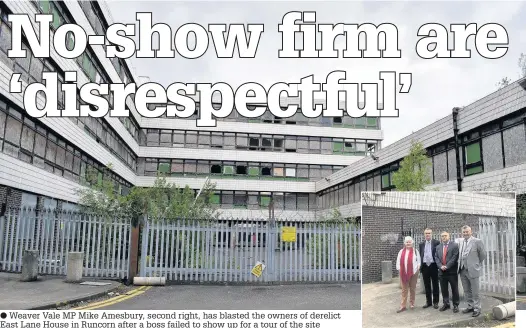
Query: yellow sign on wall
288, 234
257, 270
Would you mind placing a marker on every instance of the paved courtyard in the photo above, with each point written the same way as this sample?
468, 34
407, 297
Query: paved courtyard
381, 301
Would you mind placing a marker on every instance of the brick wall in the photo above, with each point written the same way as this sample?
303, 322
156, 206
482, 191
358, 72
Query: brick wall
9, 196
382, 236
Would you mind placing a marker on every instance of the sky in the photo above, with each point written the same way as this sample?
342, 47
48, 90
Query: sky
438, 84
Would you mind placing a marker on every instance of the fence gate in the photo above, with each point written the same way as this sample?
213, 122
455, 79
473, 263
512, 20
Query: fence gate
219, 251
55, 233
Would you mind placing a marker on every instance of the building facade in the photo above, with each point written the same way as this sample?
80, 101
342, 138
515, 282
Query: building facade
480, 147
251, 161
306, 166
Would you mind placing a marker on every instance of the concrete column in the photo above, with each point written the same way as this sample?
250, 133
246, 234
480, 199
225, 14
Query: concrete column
521, 279
30, 265
387, 272
75, 267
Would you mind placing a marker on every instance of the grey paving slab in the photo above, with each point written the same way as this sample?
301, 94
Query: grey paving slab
381, 301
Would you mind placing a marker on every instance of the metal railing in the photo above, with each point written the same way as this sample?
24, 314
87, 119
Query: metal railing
211, 251
498, 236
55, 233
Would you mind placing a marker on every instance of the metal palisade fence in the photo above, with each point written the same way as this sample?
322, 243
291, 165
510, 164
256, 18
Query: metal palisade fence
104, 242
250, 251
498, 236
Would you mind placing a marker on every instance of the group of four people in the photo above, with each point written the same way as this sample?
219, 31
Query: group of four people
442, 262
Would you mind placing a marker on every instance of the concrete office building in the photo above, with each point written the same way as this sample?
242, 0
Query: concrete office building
306, 166
43, 161
477, 147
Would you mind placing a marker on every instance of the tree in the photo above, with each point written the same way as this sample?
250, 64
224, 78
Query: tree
522, 72
163, 200
99, 197
413, 174
166, 200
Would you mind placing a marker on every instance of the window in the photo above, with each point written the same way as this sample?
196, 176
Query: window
240, 199
152, 138
227, 199
337, 147
265, 171
326, 146
166, 138
264, 199
266, 142
203, 167
303, 202
204, 139
177, 167
372, 122
190, 166
290, 143
303, 145
290, 172
253, 171
371, 148
360, 148
359, 122
215, 169
303, 171
252, 201
386, 182
387, 177
241, 169
217, 139
254, 142
230, 140
164, 167
178, 139
278, 143
241, 141
315, 172
228, 169
314, 145
191, 139
290, 201
151, 167
348, 147
215, 198
473, 158
278, 171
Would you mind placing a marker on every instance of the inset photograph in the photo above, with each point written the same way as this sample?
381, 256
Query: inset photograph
438, 259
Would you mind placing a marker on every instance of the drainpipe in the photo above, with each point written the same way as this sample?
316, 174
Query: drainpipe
457, 145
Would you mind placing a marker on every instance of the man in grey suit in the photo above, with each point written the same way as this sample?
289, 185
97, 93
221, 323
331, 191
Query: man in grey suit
471, 256
446, 259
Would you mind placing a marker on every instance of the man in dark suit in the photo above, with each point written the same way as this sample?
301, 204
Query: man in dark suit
446, 259
429, 268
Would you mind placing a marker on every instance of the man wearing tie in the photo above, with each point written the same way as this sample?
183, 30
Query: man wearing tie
429, 268
446, 259
472, 254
